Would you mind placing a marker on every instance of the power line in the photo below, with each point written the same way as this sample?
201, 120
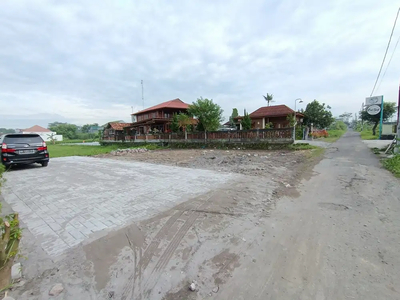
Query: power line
390, 60
387, 48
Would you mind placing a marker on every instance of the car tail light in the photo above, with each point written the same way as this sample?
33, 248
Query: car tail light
5, 149
44, 147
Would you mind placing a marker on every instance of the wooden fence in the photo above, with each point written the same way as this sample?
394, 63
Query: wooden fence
242, 136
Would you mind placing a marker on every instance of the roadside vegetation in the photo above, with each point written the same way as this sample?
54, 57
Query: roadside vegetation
302, 146
369, 128
335, 131
66, 141
365, 131
10, 237
393, 165
367, 134
82, 150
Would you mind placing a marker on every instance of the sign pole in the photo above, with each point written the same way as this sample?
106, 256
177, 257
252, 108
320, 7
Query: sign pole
381, 122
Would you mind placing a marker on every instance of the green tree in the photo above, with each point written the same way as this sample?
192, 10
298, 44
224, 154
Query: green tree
269, 98
235, 114
291, 120
318, 115
174, 123
69, 131
389, 109
85, 128
338, 125
184, 121
208, 114
5, 130
246, 122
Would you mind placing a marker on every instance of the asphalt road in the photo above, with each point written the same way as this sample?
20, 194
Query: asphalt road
338, 240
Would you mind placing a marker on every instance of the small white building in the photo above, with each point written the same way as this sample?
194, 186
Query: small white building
46, 134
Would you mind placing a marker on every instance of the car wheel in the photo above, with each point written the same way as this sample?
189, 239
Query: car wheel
44, 164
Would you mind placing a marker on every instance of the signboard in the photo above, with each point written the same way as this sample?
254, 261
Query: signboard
373, 100
373, 110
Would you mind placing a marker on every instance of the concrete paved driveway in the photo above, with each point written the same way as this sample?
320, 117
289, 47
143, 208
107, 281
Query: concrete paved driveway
73, 197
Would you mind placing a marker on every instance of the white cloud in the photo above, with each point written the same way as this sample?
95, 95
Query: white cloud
83, 61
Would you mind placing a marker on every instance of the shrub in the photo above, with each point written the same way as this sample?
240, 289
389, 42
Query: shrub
9, 242
393, 165
320, 133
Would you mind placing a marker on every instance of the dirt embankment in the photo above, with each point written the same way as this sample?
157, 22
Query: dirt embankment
282, 166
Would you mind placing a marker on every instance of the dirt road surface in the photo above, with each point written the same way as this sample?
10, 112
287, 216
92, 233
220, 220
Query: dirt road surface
277, 230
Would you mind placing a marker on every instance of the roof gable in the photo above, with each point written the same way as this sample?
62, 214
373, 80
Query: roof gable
176, 103
272, 111
119, 126
36, 128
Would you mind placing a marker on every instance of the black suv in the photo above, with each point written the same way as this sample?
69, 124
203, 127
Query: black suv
19, 149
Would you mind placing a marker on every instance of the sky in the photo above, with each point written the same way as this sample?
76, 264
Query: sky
83, 61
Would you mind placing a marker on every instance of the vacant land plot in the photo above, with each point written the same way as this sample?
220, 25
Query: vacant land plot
136, 226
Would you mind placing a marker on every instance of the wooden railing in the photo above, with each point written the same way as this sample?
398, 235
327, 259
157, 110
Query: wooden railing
281, 134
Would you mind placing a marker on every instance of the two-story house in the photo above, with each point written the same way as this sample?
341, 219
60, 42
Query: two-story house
158, 117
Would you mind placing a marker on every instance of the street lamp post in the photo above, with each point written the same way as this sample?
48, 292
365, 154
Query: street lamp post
295, 120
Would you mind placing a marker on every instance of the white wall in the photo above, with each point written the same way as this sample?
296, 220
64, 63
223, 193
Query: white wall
46, 136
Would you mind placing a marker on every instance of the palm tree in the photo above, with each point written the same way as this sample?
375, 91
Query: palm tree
269, 98
184, 121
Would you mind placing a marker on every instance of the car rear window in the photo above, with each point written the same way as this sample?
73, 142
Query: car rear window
23, 139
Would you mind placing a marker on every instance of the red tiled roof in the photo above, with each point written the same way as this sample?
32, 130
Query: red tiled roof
272, 111
119, 126
36, 128
176, 103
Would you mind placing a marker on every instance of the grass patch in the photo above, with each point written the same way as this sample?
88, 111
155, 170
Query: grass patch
334, 135
76, 141
301, 146
81, 150
317, 152
367, 135
78, 150
393, 165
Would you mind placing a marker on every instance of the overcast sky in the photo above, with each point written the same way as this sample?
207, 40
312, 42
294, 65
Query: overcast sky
82, 61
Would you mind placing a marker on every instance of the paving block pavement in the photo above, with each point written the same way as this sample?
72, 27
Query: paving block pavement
63, 204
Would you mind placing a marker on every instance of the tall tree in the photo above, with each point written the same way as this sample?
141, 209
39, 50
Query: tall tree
69, 131
389, 109
269, 98
85, 128
246, 121
235, 114
184, 121
208, 114
6, 130
318, 115
345, 117
174, 123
